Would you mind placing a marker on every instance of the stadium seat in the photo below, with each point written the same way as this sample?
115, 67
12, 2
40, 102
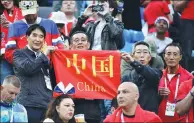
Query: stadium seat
44, 11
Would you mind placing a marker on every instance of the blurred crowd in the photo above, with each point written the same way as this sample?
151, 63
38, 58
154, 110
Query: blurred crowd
155, 39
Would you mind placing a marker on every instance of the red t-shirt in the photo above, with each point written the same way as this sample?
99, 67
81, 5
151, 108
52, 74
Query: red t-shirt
184, 89
188, 12
154, 10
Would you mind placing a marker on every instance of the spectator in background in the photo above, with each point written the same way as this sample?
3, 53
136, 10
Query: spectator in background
158, 39
143, 75
186, 7
69, 8
185, 101
172, 77
105, 33
153, 10
32, 67
17, 38
131, 17
129, 110
61, 110
10, 14
60, 19
11, 111
89, 107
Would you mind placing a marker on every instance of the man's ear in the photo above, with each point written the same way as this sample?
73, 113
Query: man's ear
88, 44
57, 108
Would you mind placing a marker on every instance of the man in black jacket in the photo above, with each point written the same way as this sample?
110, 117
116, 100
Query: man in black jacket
105, 33
31, 66
144, 76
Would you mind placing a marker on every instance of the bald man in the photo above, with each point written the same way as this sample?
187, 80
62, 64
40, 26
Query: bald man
129, 110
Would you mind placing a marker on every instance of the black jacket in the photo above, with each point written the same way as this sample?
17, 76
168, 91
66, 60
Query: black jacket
147, 80
31, 70
111, 37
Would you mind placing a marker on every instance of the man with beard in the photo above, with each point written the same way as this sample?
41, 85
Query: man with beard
11, 111
17, 31
158, 39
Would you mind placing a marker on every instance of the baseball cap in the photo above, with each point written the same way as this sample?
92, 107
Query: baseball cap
162, 18
28, 7
58, 17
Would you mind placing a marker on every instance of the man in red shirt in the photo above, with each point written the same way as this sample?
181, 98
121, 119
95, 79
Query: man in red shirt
69, 8
185, 98
153, 10
172, 77
186, 7
129, 110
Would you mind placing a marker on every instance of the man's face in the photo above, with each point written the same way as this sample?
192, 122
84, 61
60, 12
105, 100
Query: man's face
31, 18
172, 56
161, 26
68, 6
8, 4
36, 40
9, 93
142, 54
126, 96
79, 41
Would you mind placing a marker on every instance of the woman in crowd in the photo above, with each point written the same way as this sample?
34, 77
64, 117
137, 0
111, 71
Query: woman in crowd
61, 110
9, 13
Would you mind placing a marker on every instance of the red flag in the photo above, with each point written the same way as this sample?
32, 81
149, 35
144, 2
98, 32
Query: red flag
94, 74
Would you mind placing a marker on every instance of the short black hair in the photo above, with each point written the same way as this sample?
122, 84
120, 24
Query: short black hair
175, 45
141, 43
34, 27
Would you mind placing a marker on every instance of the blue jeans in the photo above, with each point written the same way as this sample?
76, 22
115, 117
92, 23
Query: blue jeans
105, 108
6, 69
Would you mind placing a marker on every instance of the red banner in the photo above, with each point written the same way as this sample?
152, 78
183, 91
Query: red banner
94, 74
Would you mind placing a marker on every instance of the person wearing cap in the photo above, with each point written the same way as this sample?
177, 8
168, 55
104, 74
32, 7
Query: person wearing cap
143, 75
69, 8
155, 9
158, 39
60, 19
169, 84
10, 13
16, 36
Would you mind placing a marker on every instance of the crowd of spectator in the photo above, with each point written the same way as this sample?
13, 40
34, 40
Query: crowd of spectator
155, 39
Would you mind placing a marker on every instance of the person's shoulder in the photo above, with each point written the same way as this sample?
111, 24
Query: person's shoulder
48, 120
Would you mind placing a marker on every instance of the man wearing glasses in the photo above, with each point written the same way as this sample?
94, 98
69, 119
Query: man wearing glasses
143, 75
172, 77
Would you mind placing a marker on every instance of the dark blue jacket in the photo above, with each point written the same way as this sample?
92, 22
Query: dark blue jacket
31, 70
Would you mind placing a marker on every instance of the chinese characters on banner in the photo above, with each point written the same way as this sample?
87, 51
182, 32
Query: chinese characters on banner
94, 74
